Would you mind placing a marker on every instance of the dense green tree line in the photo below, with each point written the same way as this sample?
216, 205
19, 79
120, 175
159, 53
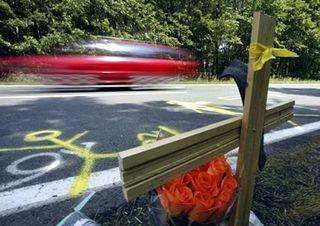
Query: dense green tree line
217, 31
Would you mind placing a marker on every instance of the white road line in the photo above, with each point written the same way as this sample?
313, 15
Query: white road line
280, 135
92, 95
30, 174
25, 198
21, 199
285, 134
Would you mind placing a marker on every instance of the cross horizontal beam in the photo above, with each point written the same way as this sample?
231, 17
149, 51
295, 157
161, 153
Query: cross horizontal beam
147, 167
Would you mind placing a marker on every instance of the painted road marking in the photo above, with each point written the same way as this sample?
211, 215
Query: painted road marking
43, 147
30, 174
92, 95
230, 98
89, 157
36, 195
290, 122
237, 97
21, 199
316, 85
81, 181
281, 135
163, 132
276, 94
306, 115
203, 106
285, 134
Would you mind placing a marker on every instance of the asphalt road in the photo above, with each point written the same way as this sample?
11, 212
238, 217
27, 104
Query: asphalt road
46, 131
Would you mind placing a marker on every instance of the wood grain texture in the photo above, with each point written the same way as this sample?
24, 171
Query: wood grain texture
253, 121
149, 175
161, 178
132, 157
150, 168
179, 157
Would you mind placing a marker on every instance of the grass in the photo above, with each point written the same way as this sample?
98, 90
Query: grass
273, 80
21, 79
287, 192
134, 213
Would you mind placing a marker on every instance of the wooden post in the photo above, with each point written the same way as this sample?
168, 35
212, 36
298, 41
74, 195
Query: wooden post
253, 121
147, 167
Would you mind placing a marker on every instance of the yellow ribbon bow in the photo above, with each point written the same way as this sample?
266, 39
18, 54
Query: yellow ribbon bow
262, 54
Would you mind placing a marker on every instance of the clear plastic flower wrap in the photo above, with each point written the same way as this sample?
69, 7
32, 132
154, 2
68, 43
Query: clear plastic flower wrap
203, 196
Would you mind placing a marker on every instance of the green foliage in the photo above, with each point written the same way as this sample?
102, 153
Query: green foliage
5, 10
217, 31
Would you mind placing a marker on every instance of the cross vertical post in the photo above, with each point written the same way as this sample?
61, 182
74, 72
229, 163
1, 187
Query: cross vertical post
253, 120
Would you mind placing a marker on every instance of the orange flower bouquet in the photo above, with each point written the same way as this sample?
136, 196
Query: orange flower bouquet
202, 196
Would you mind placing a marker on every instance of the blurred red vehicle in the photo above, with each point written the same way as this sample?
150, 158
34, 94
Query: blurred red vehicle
106, 61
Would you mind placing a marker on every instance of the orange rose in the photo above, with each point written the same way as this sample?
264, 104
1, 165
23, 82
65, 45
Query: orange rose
219, 166
229, 183
196, 171
226, 196
203, 167
204, 192
223, 202
186, 179
175, 198
204, 182
203, 208
181, 180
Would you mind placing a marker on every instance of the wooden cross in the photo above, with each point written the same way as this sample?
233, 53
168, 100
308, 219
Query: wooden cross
147, 167
252, 123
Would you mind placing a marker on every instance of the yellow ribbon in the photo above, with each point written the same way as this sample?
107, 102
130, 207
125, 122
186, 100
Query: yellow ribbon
262, 54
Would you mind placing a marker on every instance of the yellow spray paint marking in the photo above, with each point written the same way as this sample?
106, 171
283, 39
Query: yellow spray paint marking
43, 147
202, 106
147, 138
238, 97
81, 181
292, 123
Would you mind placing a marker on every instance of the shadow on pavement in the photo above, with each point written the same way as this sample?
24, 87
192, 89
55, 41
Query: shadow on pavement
298, 91
114, 127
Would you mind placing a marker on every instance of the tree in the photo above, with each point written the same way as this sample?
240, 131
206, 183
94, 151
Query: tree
217, 31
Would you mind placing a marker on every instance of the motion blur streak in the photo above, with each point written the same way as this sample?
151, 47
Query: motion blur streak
105, 61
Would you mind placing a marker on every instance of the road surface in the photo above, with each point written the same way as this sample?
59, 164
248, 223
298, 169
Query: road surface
57, 143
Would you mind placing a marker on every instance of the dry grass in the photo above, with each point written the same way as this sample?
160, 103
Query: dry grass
288, 190
21, 79
272, 81
134, 213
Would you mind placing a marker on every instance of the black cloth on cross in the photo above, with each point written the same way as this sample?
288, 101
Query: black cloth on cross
238, 71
